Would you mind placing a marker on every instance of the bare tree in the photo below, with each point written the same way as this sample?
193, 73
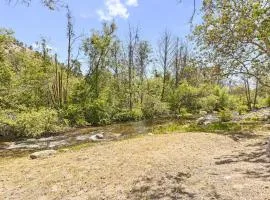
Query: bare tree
70, 37
51, 4
133, 40
165, 54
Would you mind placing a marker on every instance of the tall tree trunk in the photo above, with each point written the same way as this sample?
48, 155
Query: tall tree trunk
176, 63
256, 94
248, 97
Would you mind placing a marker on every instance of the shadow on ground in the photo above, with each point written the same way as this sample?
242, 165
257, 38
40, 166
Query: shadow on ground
166, 187
255, 154
241, 135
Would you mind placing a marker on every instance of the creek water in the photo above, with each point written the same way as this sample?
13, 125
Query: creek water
78, 136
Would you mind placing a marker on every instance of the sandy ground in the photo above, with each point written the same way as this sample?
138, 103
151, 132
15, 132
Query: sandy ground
172, 166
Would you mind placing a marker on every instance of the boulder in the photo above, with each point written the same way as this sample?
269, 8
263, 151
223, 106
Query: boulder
208, 119
97, 137
42, 154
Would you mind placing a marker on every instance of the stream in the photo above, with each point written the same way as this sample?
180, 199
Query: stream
79, 136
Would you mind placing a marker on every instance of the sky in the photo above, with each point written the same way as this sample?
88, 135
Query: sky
153, 17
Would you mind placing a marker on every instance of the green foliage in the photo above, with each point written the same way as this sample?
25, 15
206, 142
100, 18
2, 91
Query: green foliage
31, 123
98, 112
207, 97
264, 101
74, 113
225, 115
152, 107
184, 97
218, 127
38, 94
127, 115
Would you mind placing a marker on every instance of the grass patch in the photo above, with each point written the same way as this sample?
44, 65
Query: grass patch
219, 127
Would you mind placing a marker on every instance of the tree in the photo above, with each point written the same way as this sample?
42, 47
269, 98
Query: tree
237, 35
132, 43
70, 38
97, 47
143, 59
51, 4
165, 54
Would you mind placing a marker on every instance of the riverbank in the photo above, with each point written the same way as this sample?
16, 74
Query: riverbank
170, 166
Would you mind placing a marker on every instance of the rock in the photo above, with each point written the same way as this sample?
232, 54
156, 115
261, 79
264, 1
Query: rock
97, 137
42, 154
200, 120
262, 114
208, 119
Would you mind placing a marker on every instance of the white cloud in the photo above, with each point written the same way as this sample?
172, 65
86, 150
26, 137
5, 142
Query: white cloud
115, 8
132, 3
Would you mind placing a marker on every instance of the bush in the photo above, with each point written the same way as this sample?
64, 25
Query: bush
225, 115
127, 115
209, 103
154, 107
242, 109
31, 123
74, 114
36, 122
184, 97
98, 112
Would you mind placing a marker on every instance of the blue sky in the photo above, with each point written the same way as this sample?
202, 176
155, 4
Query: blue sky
152, 16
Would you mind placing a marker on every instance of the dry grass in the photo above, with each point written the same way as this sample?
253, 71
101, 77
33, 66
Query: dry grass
173, 166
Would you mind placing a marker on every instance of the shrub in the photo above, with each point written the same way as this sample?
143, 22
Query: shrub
242, 109
74, 114
31, 123
98, 112
225, 115
209, 103
127, 115
35, 122
154, 107
184, 97
7, 122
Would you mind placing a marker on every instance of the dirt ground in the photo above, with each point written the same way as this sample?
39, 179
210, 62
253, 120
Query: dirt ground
172, 166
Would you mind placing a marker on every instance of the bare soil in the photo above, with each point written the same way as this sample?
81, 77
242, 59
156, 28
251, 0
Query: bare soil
171, 166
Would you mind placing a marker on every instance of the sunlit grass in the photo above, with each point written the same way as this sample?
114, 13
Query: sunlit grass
219, 127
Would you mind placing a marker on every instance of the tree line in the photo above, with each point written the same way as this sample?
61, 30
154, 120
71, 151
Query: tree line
131, 80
